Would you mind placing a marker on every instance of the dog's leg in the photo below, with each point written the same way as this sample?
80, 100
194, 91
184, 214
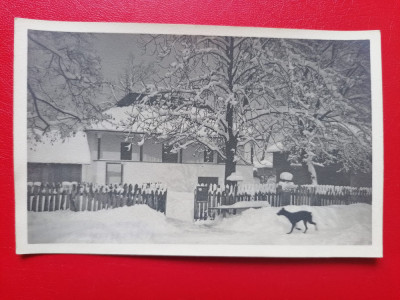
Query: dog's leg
298, 228
305, 224
293, 225
315, 224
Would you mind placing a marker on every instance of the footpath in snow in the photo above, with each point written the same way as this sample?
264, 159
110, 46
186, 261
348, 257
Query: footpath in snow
337, 225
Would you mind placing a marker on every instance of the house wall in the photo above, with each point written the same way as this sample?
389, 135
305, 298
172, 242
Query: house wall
152, 150
178, 176
51, 172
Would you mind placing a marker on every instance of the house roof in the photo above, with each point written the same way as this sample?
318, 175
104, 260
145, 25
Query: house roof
134, 98
72, 150
130, 99
117, 115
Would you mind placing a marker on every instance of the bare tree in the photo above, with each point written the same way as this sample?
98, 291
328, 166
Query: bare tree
64, 79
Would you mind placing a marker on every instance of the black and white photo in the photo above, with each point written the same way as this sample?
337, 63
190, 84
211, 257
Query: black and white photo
197, 140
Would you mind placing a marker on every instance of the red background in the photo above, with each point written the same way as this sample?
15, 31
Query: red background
104, 277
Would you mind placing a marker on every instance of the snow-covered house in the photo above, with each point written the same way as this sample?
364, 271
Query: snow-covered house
103, 155
114, 160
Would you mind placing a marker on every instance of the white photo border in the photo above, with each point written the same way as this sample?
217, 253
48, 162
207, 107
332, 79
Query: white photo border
20, 144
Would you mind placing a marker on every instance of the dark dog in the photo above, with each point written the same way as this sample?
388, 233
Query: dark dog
295, 217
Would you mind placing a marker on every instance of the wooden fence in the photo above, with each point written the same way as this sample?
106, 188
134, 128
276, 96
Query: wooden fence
91, 197
207, 198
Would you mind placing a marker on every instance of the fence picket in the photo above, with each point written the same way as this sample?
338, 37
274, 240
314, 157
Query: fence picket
88, 197
321, 195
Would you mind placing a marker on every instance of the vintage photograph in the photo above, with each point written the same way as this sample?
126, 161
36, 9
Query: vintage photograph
198, 138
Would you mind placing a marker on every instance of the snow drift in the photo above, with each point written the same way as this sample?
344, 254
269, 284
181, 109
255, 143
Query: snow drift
337, 225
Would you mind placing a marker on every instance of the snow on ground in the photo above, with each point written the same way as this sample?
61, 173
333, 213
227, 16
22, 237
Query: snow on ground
337, 225
247, 204
180, 206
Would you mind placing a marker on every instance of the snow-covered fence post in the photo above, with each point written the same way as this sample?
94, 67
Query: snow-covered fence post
73, 199
129, 194
49, 195
110, 199
46, 197
52, 195
150, 198
125, 195
218, 196
103, 197
76, 201
29, 197
79, 199
90, 198
64, 196
195, 208
143, 197
57, 196
164, 200
94, 197
42, 197
98, 196
157, 197
35, 196
117, 202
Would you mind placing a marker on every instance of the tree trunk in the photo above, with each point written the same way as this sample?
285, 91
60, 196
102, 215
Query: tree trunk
231, 142
313, 172
230, 163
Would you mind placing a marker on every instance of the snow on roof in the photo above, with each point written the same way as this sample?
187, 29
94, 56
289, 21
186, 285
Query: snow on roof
117, 116
235, 176
146, 116
73, 150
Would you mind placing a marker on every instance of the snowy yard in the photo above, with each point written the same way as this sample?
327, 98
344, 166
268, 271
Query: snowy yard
337, 225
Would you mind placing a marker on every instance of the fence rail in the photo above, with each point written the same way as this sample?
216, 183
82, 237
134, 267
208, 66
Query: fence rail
91, 197
208, 198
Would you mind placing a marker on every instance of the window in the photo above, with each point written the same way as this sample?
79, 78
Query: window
141, 153
208, 155
113, 173
168, 156
207, 180
126, 151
